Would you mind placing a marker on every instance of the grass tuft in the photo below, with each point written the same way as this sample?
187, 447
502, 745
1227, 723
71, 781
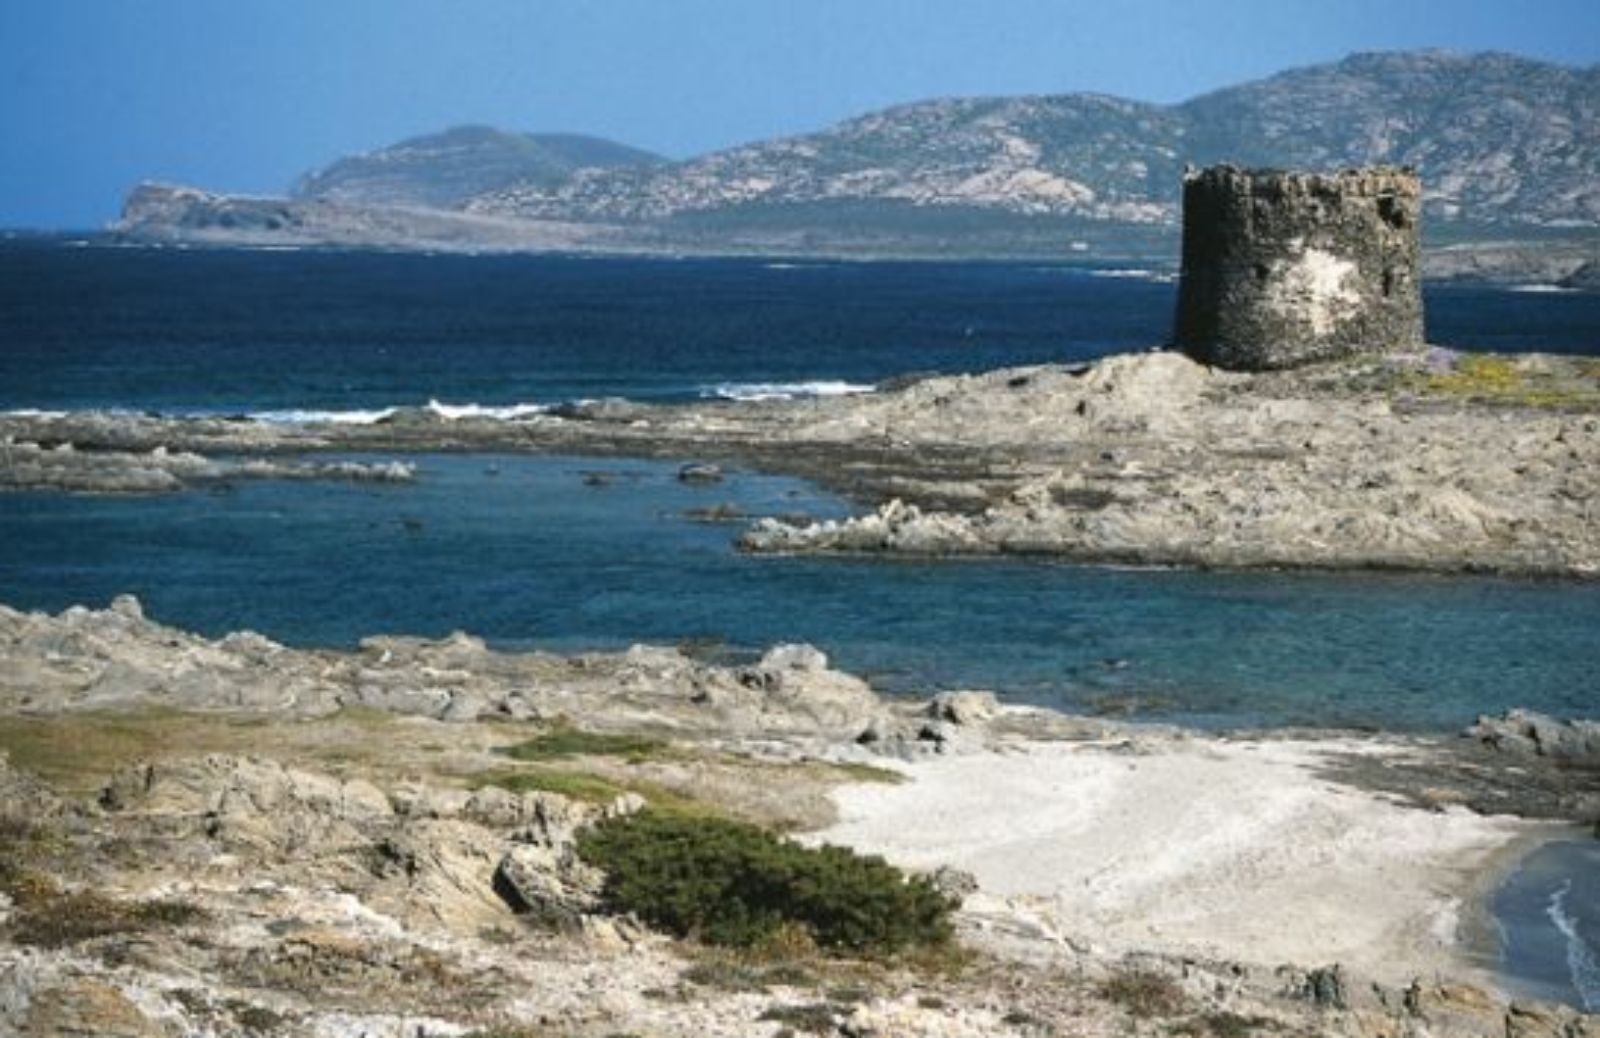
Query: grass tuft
562, 743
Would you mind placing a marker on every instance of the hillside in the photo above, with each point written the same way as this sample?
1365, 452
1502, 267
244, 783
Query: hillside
446, 170
1509, 149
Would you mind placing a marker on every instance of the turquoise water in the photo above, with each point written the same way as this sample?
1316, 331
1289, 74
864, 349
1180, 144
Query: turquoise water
569, 553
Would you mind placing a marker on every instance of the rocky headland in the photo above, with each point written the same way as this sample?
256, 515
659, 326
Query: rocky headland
233, 836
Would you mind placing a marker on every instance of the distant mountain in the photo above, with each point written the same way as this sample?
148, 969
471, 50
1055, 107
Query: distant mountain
1500, 141
1508, 148
447, 170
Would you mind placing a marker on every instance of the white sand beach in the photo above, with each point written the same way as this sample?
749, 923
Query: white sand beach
1222, 849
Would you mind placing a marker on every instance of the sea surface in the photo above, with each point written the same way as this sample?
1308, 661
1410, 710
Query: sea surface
1548, 912
569, 553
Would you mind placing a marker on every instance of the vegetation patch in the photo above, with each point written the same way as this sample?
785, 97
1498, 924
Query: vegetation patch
1144, 993
734, 884
1505, 380
48, 918
1227, 1025
562, 743
589, 788
579, 785
811, 1018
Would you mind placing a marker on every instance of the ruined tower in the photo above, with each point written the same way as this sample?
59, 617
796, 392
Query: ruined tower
1282, 269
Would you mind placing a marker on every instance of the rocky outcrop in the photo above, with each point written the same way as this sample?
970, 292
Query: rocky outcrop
1527, 732
115, 658
31, 466
1282, 269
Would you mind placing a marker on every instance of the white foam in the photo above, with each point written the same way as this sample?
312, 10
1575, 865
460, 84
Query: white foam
32, 412
1543, 289
1161, 277
753, 391
508, 413
1581, 961
357, 416
305, 417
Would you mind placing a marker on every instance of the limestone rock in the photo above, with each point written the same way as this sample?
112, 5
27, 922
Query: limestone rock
88, 1009
254, 802
1526, 731
964, 708
551, 886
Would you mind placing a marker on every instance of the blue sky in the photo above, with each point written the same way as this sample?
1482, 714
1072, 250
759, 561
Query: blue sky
243, 95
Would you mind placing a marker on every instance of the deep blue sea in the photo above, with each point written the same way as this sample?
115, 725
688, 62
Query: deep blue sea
568, 553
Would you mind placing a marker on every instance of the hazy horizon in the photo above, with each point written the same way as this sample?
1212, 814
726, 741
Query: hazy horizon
246, 97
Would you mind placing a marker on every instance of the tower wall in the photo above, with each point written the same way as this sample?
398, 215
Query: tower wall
1282, 269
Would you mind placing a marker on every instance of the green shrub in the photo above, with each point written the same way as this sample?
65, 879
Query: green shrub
732, 883
573, 742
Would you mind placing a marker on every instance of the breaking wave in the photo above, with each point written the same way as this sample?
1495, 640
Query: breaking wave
1582, 962
371, 416
750, 391
1542, 289
1163, 277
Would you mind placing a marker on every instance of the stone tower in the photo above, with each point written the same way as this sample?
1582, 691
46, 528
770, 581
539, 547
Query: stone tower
1282, 269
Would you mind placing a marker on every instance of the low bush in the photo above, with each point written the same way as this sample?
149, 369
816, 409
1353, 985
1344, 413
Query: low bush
1144, 993
735, 884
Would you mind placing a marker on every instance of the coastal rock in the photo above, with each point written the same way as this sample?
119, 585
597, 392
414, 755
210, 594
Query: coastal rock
83, 1008
250, 801
1586, 278
26, 465
1530, 732
116, 658
552, 887
26, 800
896, 527
700, 474
437, 873
795, 681
964, 708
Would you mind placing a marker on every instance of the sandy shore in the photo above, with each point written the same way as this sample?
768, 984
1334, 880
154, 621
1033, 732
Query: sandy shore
1226, 850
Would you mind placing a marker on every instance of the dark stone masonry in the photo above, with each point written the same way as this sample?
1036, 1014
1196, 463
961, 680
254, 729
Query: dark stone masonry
1282, 269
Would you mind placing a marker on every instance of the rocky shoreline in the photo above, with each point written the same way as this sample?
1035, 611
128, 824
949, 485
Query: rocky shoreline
1435, 460
237, 836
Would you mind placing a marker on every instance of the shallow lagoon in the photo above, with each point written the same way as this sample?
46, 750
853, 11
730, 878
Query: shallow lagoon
569, 553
